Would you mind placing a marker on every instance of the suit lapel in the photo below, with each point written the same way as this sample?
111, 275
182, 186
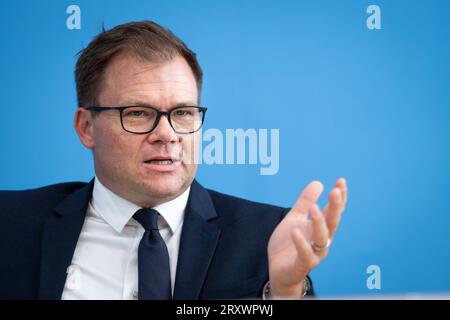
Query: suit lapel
62, 229
199, 239
60, 236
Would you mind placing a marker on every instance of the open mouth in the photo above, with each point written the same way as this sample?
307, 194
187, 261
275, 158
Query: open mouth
160, 161
162, 164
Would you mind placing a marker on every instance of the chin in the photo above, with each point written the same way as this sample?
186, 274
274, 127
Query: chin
167, 187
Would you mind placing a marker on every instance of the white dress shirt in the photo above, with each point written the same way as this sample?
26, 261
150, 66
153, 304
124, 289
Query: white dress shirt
105, 262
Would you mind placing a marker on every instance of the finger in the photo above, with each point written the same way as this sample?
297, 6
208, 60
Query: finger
333, 210
335, 201
320, 229
334, 198
308, 197
304, 249
341, 183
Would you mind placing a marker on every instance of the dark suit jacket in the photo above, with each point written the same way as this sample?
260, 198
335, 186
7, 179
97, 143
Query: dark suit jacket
223, 248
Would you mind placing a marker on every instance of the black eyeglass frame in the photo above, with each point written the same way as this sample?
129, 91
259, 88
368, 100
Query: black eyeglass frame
158, 116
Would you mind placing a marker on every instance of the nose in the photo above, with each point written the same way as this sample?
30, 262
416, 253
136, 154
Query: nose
163, 132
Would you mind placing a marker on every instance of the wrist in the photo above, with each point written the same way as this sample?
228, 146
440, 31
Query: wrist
292, 292
272, 291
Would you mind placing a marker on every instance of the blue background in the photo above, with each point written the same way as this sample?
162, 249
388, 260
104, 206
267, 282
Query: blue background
370, 105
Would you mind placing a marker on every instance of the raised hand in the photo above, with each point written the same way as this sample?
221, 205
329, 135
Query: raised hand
303, 237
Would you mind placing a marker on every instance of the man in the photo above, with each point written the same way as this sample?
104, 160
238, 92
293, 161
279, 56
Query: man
143, 228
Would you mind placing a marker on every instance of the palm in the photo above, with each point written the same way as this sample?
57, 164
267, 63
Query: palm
291, 256
283, 254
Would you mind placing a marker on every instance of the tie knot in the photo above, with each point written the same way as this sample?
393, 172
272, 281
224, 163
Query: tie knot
148, 218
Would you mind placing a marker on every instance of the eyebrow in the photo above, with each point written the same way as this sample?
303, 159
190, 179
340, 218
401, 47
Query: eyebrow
146, 104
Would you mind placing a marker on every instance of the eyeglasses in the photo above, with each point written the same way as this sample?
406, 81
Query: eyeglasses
144, 119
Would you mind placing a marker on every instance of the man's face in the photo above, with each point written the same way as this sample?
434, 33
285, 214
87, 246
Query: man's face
127, 163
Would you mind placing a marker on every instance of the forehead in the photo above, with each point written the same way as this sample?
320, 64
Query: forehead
128, 79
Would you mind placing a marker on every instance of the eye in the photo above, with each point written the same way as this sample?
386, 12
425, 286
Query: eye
137, 113
182, 113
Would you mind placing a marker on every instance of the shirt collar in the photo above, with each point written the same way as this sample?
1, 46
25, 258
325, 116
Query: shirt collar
117, 211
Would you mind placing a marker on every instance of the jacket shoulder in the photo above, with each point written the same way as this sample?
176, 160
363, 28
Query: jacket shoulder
236, 208
227, 199
36, 200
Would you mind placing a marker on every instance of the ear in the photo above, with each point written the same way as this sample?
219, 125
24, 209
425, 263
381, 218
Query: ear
84, 126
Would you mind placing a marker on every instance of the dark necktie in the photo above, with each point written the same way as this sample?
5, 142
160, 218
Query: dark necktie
153, 259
